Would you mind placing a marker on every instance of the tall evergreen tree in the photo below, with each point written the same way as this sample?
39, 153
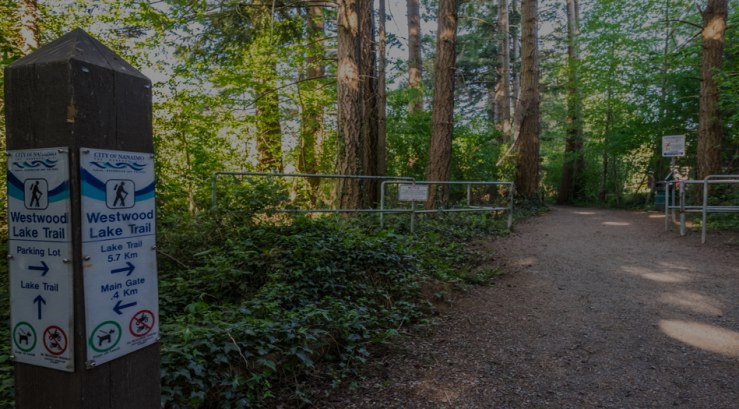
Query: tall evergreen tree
570, 187
312, 123
381, 92
368, 70
29, 32
527, 121
442, 117
349, 114
415, 61
712, 46
503, 83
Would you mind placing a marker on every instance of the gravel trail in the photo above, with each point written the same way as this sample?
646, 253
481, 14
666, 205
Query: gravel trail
597, 309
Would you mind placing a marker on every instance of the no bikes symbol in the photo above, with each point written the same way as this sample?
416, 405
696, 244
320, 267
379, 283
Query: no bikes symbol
141, 323
55, 340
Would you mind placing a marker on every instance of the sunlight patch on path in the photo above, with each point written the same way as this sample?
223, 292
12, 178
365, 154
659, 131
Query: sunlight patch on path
669, 277
525, 262
704, 336
440, 393
617, 223
694, 302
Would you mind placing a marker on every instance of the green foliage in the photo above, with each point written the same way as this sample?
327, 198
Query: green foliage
407, 136
475, 144
257, 309
6, 370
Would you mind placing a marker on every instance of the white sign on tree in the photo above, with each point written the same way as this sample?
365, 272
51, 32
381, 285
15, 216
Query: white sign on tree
673, 146
39, 248
118, 246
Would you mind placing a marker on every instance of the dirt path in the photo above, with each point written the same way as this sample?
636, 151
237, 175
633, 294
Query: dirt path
600, 308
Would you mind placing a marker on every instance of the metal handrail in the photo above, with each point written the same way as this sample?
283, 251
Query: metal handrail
704, 208
709, 180
413, 210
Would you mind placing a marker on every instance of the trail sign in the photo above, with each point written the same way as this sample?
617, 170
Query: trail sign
118, 246
673, 146
41, 304
412, 193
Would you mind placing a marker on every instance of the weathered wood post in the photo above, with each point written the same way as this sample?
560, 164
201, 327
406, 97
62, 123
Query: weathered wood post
84, 306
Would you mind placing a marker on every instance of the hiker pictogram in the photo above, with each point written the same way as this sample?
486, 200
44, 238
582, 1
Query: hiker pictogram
36, 194
120, 194
55, 340
105, 336
141, 323
24, 336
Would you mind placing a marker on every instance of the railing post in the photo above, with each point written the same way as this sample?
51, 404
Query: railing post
510, 209
667, 206
382, 204
413, 217
682, 207
213, 199
704, 210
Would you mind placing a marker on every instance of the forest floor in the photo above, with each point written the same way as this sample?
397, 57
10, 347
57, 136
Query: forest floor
596, 308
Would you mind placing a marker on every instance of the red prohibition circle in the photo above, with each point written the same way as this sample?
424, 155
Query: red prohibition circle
53, 337
140, 325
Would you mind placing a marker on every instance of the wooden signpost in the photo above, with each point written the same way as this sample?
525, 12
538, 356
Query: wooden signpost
84, 306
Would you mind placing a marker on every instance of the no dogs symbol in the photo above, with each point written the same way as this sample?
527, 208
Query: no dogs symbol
55, 340
141, 323
105, 336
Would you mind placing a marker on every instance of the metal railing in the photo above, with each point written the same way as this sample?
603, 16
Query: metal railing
704, 208
413, 211
386, 180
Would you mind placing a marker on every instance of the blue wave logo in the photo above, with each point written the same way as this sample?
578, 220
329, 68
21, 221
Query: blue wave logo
48, 163
119, 166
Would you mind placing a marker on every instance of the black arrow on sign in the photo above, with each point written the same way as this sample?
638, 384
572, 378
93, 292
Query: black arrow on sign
39, 300
130, 267
43, 268
118, 307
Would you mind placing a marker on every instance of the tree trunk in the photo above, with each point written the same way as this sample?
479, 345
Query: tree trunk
502, 86
368, 77
442, 116
415, 63
603, 194
709, 120
349, 104
527, 166
381, 94
515, 55
570, 187
657, 163
269, 130
29, 26
311, 120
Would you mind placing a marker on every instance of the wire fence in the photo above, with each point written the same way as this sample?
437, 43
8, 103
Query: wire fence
461, 196
316, 193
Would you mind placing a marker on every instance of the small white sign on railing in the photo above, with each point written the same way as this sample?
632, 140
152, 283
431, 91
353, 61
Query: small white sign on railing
412, 193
